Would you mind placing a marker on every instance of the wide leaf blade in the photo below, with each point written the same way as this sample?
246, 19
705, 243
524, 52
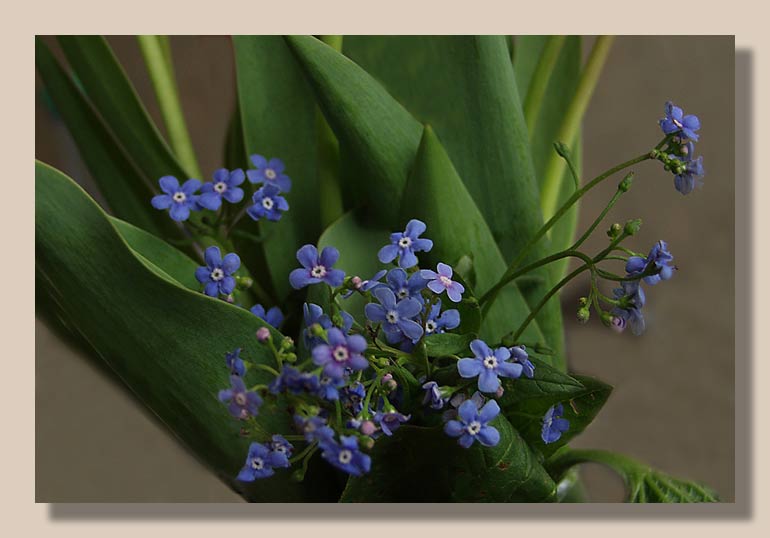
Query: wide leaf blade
278, 119
165, 342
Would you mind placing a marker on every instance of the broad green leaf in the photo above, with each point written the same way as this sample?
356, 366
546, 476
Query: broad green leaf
465, 88
358, 248
378, 137
172, 261
580, 408
548, 387
164, 341
278, 118
436, 195
441, 345
643, 484
421, 464
113, 95
123, 186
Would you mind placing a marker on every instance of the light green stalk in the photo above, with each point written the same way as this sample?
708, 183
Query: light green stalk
540, 78
157, 56
554, 172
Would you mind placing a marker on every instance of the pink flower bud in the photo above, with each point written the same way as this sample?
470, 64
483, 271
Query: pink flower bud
263, 334
500, 391
368, 427
357, 282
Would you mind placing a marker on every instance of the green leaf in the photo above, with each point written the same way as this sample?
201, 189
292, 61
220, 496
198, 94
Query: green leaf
123, 186
580, 408
278, 118
378, 137
419, 464
548, 387
436, 195
485, 137
441, 345
643, 484
113, 95
358, 248
170, 260
164, 341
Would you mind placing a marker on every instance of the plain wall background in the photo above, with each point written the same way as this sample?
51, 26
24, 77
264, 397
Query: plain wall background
673, 404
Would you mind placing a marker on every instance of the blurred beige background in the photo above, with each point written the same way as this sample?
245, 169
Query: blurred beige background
673, 406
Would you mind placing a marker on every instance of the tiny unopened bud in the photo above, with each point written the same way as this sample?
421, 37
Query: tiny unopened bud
562, 149
626, 183
290, 357
583, 315
357, 282
230, 299
263, 334
617, 324
368, 427
367, 443
390, 385
287, 343
244, 282
500, 391
583, 301
316, 329
632, 226
614, 231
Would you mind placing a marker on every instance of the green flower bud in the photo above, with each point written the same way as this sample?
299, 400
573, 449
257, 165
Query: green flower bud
632, 226
244, 282
626, 183
583, 301
614, 231
287, 343
317, 330
583, 315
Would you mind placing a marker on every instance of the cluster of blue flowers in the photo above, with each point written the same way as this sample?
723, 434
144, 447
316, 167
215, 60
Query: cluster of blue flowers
348, 390
192, 195
679, 156
630, 296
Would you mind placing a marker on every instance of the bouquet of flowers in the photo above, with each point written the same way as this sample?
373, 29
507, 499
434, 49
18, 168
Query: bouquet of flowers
359, 306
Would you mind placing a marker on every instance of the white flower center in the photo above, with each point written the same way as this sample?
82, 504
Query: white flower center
490, 362
474, 427
445, 281
179, 197
345, 456
340, 354
240, 399
403, 293
220, 187
405, 242
430, 326
270, 173
392, 316
268, 203
257, 464
217, 274
319, 271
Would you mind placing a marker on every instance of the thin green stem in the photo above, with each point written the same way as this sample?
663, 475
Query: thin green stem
554, 171
560, 213
156, 57
598, 219
540, 78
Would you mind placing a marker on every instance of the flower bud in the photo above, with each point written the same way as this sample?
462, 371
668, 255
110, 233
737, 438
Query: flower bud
316, 330
583, 301
367, 443
583, 315
287, 343
263, 334
617, 324
244, 282
368, 427
230, 299
289, 357
500, 391
614, 231
357, 282
632, 226
626, 183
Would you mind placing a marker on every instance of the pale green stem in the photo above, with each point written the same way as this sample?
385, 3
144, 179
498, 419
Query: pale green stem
157, 57
554, 172
540, 78
329, 158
